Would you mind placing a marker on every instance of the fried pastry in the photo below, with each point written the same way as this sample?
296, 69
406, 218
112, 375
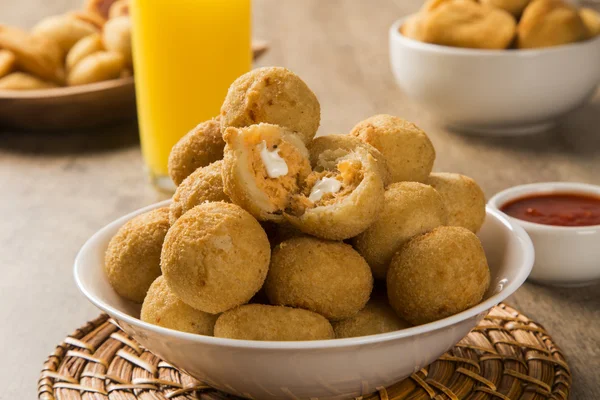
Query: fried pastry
7, 62
99, 66
65, 30
84, 47
116, 37
515, 7
591, 19
23, 81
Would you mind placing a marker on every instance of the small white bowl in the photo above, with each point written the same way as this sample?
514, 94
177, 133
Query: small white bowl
495, 92
324, 369
564, 255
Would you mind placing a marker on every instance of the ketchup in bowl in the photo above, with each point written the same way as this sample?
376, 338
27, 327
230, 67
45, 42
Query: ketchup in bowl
558, 209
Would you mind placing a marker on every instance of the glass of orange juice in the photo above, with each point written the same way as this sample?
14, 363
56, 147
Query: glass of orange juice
186, 54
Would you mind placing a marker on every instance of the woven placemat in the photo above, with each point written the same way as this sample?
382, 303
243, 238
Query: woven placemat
507, 356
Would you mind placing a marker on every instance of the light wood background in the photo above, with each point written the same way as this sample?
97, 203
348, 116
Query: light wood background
58, 189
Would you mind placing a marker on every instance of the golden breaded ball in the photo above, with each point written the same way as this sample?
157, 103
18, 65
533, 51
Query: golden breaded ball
591, 19
547, 23
463, 198
262, 322
202, 186
408, 151
515, 7
215, 257
438, 274
329, 278
273, 95
377, 317
132, 260
410, 209
97, 67
161, 307
199, 147
116, 37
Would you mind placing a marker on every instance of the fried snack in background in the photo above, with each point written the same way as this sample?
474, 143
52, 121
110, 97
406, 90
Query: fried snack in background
101, 7
514, 7
273, 95
321, 144
132, 260
201, 146
410, 208
202, 186
97, 67
119, 8
437, 274
246, 178
116, 37
90, 17
408, 152
329, 278
547, 23
263, 322
24, 81
37, 56
215, 257
464, 23
591, 19
161, 307
65, 30
463, 198
413, 27
341, 214
7, 62
84, 47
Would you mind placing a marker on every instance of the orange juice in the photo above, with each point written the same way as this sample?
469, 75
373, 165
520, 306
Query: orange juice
186, 54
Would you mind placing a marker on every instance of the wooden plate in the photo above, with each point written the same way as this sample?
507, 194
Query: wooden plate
93, 105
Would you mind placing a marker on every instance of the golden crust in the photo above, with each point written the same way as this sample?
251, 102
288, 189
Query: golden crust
263, 322
514, 7
132, 260
215, 257
329, 278
410, 209
199, 147
273, 95
202, 186
7, 62
591, 19
97, 67
116, 37
463, 198
66, 30
437, 275
161, 307
408, 152
83, 48
23, 81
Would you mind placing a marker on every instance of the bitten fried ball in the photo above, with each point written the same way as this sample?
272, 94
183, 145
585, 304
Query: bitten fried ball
199, 147
161, 307
132, 260
263, 322
437, 275
410, 208
203, 185
274, 95
408, 152
377, 317
329, 278
548, 23
463, 198
215, 257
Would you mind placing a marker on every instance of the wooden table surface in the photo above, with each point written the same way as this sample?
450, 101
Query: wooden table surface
58, 189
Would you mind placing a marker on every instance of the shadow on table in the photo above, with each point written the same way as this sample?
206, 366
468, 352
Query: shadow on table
71, 142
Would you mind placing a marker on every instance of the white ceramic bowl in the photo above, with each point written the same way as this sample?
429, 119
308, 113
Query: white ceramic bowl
564, 255
495, 91
321, 369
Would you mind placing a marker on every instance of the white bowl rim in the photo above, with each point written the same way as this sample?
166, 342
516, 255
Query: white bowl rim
520, 191
520, 277
468, 52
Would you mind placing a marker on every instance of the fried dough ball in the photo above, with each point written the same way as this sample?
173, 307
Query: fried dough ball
132, 260
24, 81
116, 37
199, 147
215, 257
118, 9
341, 198
274, 95
548, 23
515, 7
97, 67
410, 208
377, 317
263, 322
65, 29
408, 151
7, 62
465, 23
161, 307
437, 275
329, 278
591, 19
463, 198
202, 186
321, 144
84, 47
263, 167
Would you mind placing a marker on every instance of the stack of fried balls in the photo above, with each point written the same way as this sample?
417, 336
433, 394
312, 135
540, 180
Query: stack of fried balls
274, 234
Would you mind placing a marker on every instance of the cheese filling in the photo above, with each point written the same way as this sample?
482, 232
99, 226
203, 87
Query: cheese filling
324, 186
274, 163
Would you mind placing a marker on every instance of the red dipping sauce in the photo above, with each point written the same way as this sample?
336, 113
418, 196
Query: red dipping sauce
559, 209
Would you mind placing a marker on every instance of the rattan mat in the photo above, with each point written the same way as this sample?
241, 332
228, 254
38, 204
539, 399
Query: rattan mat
506, 357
